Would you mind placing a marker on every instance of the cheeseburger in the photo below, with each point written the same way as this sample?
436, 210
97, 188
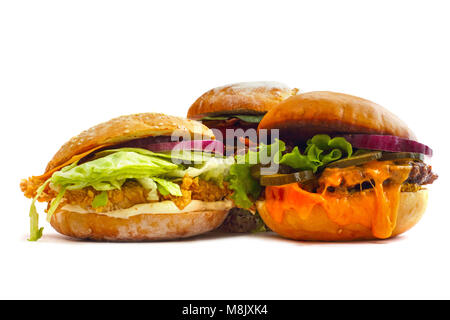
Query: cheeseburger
348, 169
139, 177
238, 107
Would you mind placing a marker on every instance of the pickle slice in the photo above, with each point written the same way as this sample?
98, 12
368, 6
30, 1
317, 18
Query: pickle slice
356, 160
280, 179
402, 155
255, 171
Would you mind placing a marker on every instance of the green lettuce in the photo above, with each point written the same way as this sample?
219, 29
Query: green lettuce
166, 187
100, 200
214, 169
111, 171
150, 185
251, 118
320, 151
35, 231
244, 185
246, 188
264, 154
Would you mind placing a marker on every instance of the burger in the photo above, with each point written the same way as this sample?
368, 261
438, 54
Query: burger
346, 169
138, 177
238, 108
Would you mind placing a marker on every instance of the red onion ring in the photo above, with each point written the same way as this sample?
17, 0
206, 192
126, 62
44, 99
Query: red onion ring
387, 143
210, 146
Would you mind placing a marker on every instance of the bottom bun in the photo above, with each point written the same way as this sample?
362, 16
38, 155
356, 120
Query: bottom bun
318, 227
136, 228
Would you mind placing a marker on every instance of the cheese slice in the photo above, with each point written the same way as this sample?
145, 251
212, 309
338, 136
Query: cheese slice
77, 157
163, 207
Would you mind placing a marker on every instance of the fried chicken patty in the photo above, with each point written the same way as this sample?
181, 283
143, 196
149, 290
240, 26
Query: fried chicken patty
133, 193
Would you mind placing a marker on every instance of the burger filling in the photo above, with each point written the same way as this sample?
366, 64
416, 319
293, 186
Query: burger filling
238, 220
352, 186
238, 121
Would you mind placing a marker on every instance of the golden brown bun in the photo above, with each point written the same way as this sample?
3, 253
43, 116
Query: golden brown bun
318, 227
136, 228
310, 113
244, 98
127, 128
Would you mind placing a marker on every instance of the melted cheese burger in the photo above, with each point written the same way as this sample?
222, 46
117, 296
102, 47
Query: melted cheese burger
348, 169
138, 177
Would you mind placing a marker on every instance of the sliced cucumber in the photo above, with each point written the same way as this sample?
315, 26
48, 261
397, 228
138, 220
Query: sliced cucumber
280, 179
402, 155
356, 160
255, 171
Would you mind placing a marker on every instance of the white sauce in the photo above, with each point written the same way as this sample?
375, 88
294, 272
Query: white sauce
163, 207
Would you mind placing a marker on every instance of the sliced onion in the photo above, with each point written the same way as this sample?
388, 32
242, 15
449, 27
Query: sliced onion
211, 146
387, 143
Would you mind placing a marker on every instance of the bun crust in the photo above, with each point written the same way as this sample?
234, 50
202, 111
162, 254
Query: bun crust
310, 113
127, 128
136, 228
318, 227
244, 98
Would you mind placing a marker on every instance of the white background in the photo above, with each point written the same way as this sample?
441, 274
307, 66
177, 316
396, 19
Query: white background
68, 65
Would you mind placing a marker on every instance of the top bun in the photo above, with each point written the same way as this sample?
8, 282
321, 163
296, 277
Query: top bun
304, 115
242, 98
126, 128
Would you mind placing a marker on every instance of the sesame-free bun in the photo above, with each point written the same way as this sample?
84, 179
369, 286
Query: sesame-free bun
302, 116
136, 228
318, 227
126, 128
242, 98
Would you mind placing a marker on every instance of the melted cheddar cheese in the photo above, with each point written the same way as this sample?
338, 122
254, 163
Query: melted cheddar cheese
375, 208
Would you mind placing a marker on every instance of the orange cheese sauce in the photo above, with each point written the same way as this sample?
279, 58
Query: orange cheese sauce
374, 208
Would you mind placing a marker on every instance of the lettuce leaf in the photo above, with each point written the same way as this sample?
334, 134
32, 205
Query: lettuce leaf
320, 151
35, 231
100, 200
246, 188
150, 185
111, 171
251, 118
55, 203
264, 154
166, 187
244, 185
214, 169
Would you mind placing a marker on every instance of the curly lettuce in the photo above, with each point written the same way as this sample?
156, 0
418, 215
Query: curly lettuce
244, 186
320, 150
